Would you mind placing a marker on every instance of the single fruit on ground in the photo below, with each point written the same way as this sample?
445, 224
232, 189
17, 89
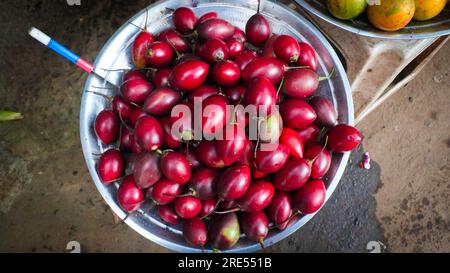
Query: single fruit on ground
427, 9
391, 15
346, 9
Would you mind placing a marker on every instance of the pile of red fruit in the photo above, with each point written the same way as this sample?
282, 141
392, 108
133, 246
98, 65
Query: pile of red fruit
219, 188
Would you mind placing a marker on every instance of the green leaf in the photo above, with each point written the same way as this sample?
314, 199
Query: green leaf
7, 116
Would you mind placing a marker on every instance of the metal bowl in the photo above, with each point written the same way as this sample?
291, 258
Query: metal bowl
438, 26
116, 55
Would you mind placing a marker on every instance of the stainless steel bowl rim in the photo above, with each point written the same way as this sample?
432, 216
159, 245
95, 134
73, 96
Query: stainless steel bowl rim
86, 133
372, 33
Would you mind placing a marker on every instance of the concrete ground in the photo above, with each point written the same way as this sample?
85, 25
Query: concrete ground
48, 199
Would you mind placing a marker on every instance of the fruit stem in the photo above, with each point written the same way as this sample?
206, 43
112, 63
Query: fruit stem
280, 86
329, 75
106, 97
261, 243
259, 6
133, 24
159, 152
310, 162
228, 211
296, 67
179, 55
296, 212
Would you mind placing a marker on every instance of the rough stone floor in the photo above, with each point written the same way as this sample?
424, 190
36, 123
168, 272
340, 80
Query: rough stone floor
48, 199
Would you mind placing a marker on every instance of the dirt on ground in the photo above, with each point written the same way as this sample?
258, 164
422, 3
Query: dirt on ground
409, 137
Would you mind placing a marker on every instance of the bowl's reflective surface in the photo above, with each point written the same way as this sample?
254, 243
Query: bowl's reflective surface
116, 55
435, 27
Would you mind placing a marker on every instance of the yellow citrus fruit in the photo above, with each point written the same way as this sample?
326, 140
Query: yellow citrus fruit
346, 9
391, 15
427, 9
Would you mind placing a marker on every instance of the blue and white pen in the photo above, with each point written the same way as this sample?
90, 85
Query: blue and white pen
64, 52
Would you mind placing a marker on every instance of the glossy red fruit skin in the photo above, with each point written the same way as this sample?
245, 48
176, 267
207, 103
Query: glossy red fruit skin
134, 74
234, 182
292, 140
258, 196
169, 141
247, 156
189, 75
129, 195
160, 77
187, 57
160, 54
182, 121
309, 134
268, 46
272, 161
286, 49
239, 35
203, 92
215, 28
212, 51
235, 93
244, 58
257, 174
106, 126
310, 198
165, 191
203, 182
208, 155
300, 83
293, 175
184, 19
206, 16
140, 48
297, 113
235, 47
257, 30
255, 225
135, 114
215, 114
208, 207
193, 159
188, 207
146, 170
136, 90
195, 232
227, 204
280, 209
110, 166
149, 133
261, 93
121, 108
307, 56
224, 231
161, 101
168, 214
232, 145
268, 67
175, 166
128, 141
326, 113
226, 73
125, 141
343, 138
322, 160
175, 40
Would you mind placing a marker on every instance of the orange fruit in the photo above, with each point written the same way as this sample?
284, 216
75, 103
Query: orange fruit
427, 9
346, 9
391, 15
